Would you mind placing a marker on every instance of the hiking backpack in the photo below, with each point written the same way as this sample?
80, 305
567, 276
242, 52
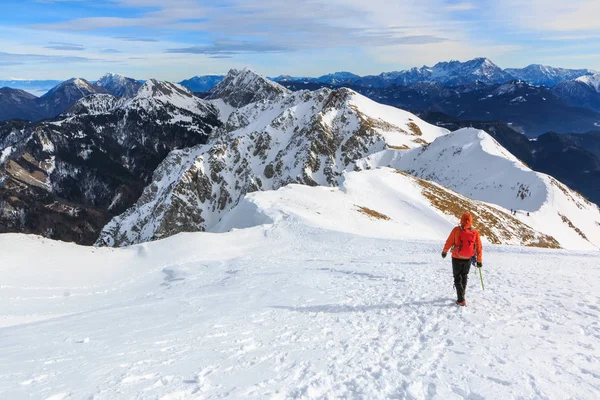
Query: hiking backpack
465, 247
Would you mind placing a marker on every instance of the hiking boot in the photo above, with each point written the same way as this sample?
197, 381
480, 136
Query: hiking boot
461, 303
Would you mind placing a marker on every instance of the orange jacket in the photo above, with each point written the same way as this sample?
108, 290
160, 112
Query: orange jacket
453, 241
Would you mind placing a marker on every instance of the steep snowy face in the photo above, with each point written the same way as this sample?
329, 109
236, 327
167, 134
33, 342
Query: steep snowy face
467, 158
306, 137
537, 74
472, 163
592, 81
242, 87
66, 178
155, 95
119, 85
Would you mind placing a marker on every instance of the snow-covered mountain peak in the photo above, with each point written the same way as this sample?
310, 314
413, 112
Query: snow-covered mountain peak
78, 85
112, 77
156, 94
242, 87
155, 88
478, 69
119, 85
592, 81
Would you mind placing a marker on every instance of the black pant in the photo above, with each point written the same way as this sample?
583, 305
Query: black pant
460, 269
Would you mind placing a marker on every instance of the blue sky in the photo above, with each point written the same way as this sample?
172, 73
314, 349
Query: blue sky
177, 39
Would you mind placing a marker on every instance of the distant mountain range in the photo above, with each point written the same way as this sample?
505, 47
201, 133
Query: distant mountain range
22, 105
452, 73
35, 87
202, 83
531, 109
535, 99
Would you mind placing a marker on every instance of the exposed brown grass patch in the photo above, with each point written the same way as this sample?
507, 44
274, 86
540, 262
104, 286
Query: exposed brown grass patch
29, 158
419, 141
402, 173
570, 224
496, 226
372, 213
414, 128
403, 147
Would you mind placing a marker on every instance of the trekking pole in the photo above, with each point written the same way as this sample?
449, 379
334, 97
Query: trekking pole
481, 277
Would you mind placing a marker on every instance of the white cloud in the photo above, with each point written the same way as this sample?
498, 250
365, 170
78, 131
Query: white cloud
460, 7
552, 15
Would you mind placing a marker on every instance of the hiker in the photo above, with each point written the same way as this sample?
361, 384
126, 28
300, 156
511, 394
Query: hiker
466, 245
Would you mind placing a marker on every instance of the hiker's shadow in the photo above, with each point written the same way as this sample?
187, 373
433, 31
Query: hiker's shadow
347, 308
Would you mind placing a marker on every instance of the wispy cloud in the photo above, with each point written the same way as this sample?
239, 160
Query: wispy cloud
65, 46
298, 36
551, 15
136, 39
229, 47
16, 59
460, 7
275, 26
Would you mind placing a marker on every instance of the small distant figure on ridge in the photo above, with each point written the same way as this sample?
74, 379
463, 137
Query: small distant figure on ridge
465, 242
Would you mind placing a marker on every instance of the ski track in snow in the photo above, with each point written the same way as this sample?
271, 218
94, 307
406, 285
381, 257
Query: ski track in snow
304, 313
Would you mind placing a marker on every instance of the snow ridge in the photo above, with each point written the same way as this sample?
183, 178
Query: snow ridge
471, 162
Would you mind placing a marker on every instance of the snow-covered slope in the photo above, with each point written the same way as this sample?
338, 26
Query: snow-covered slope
242, 87
592, 81
287, 311
305, 137
472, 163
119, 85
384, 203
157, 94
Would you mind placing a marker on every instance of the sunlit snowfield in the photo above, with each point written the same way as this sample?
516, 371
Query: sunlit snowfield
291, 311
